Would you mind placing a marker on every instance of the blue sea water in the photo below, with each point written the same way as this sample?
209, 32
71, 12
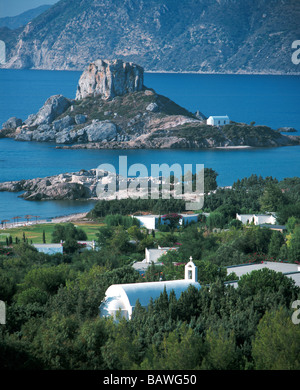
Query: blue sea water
268, 100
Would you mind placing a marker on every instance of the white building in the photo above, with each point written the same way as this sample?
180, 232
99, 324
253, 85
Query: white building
256, 219
152, 255
188, 218
218, 120
88, 245
288, 269
150, 221
49, 249
122, 298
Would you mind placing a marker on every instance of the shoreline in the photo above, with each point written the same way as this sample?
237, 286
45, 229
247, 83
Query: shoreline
171, 72
60, 219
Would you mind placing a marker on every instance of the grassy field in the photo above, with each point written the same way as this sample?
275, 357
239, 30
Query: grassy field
34, 233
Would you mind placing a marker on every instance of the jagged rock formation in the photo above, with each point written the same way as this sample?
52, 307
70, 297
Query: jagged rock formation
110, 79
53, 107
72, 186
12, 123
113, 109
85, 184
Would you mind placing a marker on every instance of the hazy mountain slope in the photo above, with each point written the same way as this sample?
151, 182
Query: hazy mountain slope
163, 35
13, 22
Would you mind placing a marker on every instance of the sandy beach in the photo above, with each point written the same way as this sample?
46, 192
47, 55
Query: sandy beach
62, 219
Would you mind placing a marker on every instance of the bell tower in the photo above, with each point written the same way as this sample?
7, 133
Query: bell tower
190, 272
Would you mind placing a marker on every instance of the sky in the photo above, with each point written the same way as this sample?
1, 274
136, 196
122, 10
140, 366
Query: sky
16, 7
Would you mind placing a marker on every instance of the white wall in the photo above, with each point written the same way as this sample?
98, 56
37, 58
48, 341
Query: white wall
256, 218
187, 219
147, 221
217, 120
154, 254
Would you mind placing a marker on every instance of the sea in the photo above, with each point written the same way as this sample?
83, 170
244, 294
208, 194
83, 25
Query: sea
268, 100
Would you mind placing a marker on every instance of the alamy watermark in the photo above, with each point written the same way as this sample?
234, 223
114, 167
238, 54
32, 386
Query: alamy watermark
2, 313
296, 314
163, 181
2, 52
296, 53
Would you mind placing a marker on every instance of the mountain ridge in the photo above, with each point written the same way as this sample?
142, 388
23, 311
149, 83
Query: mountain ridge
224, 36
14, 22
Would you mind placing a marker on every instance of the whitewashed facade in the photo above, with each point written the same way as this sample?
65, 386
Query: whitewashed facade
256, 219
120, 299
49, 249
152, 255
150, 221
218, 120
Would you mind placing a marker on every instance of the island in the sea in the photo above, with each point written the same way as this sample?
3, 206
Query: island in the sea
113, 109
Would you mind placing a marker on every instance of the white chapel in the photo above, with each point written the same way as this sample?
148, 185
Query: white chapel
121, 298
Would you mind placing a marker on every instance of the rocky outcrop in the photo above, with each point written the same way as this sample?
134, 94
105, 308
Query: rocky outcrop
92, 184
12, 123
114, 110
72, 186
53, 107
287, 129
109, 79
85, 184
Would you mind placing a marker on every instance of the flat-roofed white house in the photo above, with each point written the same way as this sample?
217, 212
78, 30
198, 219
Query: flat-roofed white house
152, 255
257, 219
220, 120
49, 249
148, 221
288, 269
87, 245
151, 221
188, 218
122, 298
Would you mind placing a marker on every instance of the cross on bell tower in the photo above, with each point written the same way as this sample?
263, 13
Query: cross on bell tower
191, 273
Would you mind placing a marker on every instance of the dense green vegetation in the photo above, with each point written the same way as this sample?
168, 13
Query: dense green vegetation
53, 301
236, 133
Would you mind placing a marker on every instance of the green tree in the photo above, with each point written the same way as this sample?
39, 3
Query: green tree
91, 337
53, 343
216, 220
220, 350
104, 235
120, 352
47, 279
181, 349
66, 232
268, 282
277, 342
7, 287
32, 295
294, 245
292, 222
135, 233
210, 180
272, 198
276, 242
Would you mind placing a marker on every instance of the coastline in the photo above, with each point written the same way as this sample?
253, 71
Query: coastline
238, 73
61, 219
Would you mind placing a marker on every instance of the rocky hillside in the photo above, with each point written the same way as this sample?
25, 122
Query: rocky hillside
231, 36
113, 109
